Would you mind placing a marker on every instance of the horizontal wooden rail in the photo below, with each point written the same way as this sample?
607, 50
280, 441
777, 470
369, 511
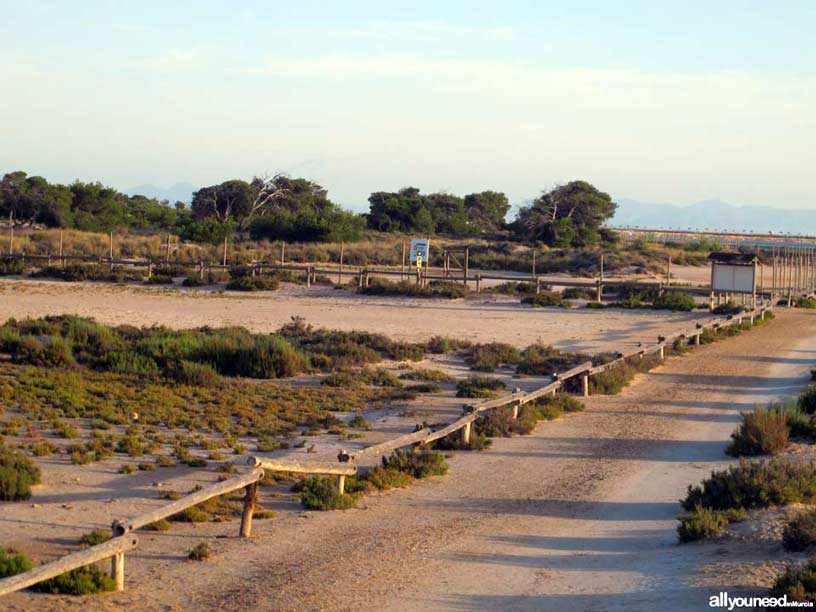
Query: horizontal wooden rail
188, 501
81, 558
579, 369
416, 437
453, 427
298, 467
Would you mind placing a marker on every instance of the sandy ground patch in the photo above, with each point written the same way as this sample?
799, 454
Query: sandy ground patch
482, 318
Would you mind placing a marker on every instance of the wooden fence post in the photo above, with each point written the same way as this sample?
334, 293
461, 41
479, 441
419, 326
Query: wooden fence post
249, 509
466, 434
110, 260
516, 406
62, 261
585, 384
402, 269
341, 483
118, 570
340, 273
662, 352
11, 238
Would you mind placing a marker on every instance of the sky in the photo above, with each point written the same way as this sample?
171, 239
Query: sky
655, 101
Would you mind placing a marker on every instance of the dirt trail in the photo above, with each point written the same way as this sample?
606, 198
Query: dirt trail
577, 516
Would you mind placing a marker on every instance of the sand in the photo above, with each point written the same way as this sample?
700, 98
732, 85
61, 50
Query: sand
482, 318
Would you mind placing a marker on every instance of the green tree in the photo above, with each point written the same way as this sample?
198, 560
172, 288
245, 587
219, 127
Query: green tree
97, 208
569, 215
26, 200
486, 210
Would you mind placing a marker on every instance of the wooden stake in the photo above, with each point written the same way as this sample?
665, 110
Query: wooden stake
340, 273
225, 250
534, 261
118, 570
62, 261
585, 384
11, 239
341, 484
466, 434
249, 509
402, 270
110, 262
283, 253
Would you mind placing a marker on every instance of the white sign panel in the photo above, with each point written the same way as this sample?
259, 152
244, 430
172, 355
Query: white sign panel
736, 279
420, 246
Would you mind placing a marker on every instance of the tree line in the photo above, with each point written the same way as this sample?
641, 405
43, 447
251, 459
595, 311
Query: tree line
296, 209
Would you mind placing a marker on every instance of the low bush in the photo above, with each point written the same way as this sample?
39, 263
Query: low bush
546, 298
10, 266
807, 400
762, 432
97, 536
800, 533
578, 293
806, 302
160, 525
384, 479
196, 374
434, 289
81, 581
358, 421
200, 552
440, 345
253, 283
700, 523
18, 473
13, 562
479, 387
798, 583
454, 442
159, 279
488, 357
513, 288
421, 462
544, 360
755, 484
676, 301
428, 375
320, 493
728, 308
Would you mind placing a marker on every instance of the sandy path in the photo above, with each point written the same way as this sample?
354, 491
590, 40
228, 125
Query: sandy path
482, 319
577, 516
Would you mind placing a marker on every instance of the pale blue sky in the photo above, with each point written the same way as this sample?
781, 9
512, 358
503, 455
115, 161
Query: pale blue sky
657, 101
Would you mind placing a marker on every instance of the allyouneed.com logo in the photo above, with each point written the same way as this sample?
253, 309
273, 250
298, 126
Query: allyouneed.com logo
722, 600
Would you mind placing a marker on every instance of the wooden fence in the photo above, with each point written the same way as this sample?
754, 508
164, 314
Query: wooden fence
123, 539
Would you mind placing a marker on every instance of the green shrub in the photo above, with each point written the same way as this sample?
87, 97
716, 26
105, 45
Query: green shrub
196, 374
675, 301
806, 302
97, 536
546, 298
800, 533
127, 469
434, 289
160, 525
728, 308
159, 279
807, 401
81, 581
320, 493
428, 375
200, 552
454, 442
579, 293
797, 582
488, 357
755, 484
595, 305
479, 387
421, 462
762, 432
253, 283
17, 475
544, 360
12, 562
358, 421
700, 523
384, 479
10, 266
191, 515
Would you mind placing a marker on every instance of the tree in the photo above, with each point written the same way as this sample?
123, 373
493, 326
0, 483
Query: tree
26, 200
229, 201
98, 208
569, 215
486, 210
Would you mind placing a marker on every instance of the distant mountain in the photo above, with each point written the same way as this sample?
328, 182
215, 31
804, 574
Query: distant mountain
180, 192
714, 215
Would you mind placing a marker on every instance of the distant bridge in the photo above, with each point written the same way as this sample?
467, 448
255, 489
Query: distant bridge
765, 240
